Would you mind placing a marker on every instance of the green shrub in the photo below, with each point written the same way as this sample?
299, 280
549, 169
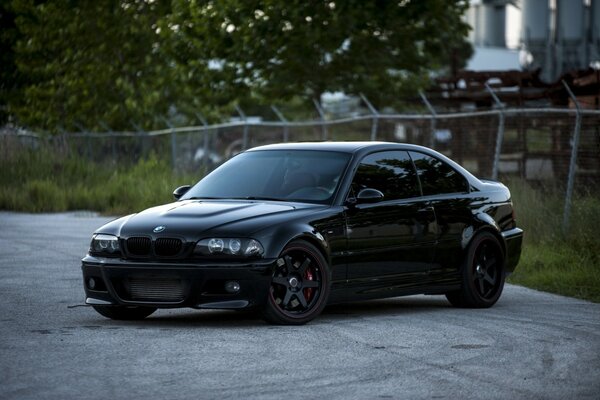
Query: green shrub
566, 263
561, 269
43, 181
44, 195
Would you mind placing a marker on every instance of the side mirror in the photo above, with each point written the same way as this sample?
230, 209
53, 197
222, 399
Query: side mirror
180, 191
369, 195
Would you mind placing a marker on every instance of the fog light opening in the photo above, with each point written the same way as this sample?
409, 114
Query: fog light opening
92, 283
232, 287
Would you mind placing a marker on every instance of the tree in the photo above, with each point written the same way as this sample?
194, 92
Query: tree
282, 48
10, 80
90, 64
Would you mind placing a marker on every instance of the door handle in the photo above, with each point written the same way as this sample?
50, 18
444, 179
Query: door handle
425, 209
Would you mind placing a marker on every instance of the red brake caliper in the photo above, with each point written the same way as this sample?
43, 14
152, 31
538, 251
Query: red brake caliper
308, 292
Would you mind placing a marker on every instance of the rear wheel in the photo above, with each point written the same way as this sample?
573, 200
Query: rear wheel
299, 287
124, 313
482, 274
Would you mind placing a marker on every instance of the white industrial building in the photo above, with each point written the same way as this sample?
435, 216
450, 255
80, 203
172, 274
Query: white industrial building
557, 36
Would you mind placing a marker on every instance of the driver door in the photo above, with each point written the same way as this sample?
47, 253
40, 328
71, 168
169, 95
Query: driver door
391, 242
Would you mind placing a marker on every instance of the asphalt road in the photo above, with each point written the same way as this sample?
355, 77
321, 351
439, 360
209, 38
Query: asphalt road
530, 345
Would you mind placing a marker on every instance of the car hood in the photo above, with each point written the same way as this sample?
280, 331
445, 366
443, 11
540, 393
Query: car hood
190, 218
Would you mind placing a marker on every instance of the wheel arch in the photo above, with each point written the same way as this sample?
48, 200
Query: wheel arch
486, 223
283, 236
495, 232
312, 239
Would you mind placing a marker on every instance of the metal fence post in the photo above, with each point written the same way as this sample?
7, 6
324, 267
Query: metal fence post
88, 143
432, 121
375, 113
205, 140
173, 144
142, 139
65, 144
283, 120
500, 134
112, 140
573, 162
324, 133
245, 133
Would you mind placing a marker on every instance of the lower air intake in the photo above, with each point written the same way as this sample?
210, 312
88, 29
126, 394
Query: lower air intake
155, 289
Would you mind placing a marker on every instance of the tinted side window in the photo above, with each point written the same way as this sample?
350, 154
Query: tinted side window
437, 177
390, 172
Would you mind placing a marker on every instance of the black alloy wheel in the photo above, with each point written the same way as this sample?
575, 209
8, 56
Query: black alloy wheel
299, 287
124, 313
482, 274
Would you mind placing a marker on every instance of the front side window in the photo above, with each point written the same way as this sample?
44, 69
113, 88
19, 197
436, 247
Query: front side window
437, 177
390, 172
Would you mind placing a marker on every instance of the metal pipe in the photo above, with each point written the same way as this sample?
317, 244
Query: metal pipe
391, 117
245, 131
432, 121
573, 162
375, 113
324, 133
173, 144
499, 135
205, 141
282, 118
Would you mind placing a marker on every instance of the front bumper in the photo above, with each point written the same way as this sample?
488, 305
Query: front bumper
175, 284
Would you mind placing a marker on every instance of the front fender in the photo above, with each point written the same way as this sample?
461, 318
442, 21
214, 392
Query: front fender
280, 236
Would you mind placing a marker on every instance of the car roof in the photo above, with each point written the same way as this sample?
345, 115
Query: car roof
345, 147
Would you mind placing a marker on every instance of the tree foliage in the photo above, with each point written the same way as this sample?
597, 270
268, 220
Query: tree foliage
10, 80
90, 64
283, 48
119, 62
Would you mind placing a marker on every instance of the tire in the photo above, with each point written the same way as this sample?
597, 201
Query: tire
482, 274
299, 287
124, 313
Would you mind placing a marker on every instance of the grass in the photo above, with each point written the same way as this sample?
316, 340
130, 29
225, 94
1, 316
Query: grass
44, 182
554, 261
567, 264
559, 269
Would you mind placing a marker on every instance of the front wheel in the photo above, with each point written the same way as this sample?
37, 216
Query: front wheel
124, 313
300, 285
482, 274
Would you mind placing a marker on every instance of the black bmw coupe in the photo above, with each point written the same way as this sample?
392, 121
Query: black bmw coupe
290, 228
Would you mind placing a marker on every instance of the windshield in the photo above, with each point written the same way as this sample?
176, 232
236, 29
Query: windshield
287, 175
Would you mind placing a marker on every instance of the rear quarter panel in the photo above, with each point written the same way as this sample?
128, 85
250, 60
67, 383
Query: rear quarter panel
460, 218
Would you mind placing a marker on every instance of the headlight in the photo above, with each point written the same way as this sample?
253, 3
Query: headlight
107, 244
229, 246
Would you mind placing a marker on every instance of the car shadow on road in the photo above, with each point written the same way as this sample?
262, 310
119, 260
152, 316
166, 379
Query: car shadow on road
251, 318
391, 306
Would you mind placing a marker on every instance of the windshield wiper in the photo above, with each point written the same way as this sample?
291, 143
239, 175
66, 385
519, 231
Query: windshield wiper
256, 198
205, 198
233, 198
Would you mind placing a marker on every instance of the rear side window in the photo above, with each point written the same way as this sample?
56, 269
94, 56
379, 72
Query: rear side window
390, 172
437, 177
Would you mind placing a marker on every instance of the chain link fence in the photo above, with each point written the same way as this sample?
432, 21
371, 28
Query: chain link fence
555, 147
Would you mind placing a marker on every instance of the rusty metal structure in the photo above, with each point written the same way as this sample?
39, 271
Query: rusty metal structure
527, 106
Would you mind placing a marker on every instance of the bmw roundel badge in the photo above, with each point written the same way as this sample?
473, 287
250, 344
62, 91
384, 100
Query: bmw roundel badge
159, 228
